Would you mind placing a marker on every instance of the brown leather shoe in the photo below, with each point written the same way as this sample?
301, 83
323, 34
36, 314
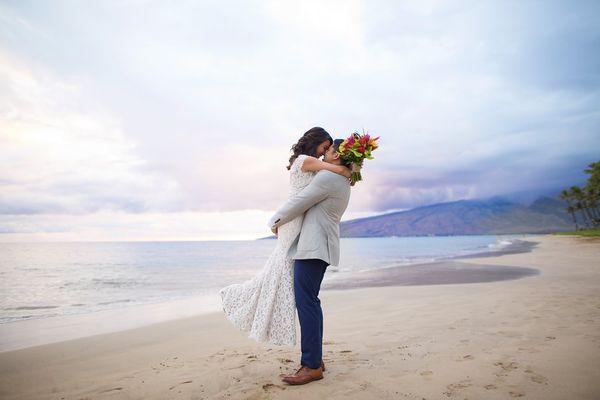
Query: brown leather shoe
284, 375
304, 375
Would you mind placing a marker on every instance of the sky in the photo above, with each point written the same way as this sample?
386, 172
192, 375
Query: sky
154, 120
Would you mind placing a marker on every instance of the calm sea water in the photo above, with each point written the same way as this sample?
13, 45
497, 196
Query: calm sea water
41, 280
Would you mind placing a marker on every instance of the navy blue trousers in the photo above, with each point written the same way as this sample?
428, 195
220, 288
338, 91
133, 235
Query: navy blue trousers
308, 275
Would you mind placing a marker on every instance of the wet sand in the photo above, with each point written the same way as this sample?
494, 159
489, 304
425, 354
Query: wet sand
438, 273
442, 272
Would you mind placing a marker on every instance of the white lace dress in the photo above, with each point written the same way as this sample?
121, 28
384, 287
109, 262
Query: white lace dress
265, 306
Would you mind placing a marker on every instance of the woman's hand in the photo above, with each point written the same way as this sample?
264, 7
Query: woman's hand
345, 171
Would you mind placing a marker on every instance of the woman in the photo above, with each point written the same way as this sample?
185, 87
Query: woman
264, 306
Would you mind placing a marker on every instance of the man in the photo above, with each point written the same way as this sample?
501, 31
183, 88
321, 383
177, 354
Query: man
315, 248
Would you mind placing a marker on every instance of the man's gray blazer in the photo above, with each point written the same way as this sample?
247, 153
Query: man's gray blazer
326, 198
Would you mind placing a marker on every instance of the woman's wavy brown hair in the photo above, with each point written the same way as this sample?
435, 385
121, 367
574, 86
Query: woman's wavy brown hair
309, 142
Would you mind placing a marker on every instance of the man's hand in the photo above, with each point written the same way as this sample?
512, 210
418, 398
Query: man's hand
274, 230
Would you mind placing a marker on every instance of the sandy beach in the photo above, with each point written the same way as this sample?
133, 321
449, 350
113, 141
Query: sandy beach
533, 335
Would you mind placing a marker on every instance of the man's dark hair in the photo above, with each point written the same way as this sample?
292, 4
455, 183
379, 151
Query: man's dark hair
336, 145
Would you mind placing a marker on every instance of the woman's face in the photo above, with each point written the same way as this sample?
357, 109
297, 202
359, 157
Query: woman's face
323, 147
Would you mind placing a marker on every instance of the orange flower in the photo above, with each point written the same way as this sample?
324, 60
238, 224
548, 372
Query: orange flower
373, 143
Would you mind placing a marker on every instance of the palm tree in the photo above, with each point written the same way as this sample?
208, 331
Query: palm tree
581, 204
591, 200
565, 195
585, 200
592, 190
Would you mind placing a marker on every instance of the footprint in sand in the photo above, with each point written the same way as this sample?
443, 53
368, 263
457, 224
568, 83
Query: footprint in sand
506, 367
426, 373
464, 358
271, 386
180, 383
511, 334
268, 389
529, 349
548, 338
457, 386
490, 387
110, 390
516, 393
535, 377
539, 379
285, 360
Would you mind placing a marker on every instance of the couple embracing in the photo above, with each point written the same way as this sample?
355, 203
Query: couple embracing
307, 229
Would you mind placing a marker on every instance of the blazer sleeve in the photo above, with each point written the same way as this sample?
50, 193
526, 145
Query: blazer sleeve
317, 190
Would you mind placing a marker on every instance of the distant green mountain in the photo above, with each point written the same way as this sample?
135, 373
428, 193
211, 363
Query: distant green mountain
495, 215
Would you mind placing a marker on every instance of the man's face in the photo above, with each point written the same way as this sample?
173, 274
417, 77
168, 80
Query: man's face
323, 147
331, 155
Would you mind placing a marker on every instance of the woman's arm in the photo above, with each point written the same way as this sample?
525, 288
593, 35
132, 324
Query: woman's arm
314, 164
317, 190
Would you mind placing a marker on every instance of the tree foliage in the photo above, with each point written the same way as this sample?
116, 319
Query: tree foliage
582, 203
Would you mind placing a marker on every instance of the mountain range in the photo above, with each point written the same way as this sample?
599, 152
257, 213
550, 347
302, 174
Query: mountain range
495, 215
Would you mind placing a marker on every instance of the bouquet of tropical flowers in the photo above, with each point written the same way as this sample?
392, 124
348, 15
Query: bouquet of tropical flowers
355, 149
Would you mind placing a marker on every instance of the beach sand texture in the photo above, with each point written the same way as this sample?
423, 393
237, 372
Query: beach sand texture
536, 337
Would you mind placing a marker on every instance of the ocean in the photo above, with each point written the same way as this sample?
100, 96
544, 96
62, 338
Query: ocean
136, 283
41, 280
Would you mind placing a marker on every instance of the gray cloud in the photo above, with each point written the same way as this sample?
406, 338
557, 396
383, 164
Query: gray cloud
414, 188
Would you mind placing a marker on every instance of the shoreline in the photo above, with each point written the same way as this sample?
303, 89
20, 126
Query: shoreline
41, 331
449, 270
535, 338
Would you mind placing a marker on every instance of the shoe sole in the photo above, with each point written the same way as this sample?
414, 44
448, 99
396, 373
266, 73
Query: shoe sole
304, 383
283, 375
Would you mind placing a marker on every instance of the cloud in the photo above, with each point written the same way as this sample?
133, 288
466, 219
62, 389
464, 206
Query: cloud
63, 157
193, 106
